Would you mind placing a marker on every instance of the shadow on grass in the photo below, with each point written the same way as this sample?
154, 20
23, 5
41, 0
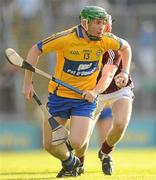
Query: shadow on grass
13, 174
50, 175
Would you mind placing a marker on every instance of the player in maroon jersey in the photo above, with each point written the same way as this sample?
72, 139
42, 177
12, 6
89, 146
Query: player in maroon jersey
120, 99
119, 96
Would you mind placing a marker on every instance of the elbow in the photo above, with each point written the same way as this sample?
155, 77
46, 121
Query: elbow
33, 55
35, 50
126, 46
126, 51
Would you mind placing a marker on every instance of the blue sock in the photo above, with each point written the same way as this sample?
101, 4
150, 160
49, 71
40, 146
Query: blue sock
69, 163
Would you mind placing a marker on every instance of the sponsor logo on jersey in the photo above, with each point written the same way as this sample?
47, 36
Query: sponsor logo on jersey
80, 68
84, 66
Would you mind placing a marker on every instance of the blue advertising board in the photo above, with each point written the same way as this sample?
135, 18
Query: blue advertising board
141, 133
19, 135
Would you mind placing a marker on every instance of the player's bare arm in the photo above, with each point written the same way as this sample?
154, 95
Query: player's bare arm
32, 58
108, 73
126, 55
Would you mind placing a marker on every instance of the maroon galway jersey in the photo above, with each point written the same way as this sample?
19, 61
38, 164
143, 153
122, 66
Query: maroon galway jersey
113, 57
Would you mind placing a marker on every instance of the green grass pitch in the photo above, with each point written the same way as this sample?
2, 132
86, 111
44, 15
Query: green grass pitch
129, 164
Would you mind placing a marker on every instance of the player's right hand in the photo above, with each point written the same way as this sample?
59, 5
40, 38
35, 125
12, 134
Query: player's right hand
90, 95
28, 91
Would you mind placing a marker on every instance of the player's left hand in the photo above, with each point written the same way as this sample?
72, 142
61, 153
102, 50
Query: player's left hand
90, 95
121, 79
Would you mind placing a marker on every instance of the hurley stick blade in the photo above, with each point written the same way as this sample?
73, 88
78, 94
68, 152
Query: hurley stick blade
13, 57
59, 132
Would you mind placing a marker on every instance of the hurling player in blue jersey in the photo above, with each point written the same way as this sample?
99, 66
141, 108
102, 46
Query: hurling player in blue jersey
79, 53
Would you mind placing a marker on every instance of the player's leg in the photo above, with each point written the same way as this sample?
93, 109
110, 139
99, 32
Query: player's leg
121, 109
81, 153
60, 109
80, 130
81, 112
106, 115
62, 152
54, 105
59, 151
68, 160
81, 122
104, 124
84, 134
121, 115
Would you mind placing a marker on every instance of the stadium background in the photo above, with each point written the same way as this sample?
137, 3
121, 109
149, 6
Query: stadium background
23, 23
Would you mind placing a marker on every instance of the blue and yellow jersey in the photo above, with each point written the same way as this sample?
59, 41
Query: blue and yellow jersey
78, 61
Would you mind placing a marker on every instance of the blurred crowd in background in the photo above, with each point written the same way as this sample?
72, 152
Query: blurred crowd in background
23, 23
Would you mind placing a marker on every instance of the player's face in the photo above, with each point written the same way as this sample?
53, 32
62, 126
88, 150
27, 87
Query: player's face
96, 27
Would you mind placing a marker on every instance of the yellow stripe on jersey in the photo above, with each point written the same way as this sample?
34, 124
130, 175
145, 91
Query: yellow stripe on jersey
78, 61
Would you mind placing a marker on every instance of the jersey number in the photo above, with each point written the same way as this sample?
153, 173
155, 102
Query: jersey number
86, 56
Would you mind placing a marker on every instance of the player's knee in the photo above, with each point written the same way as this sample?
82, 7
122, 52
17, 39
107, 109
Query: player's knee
51, 149
76, 143
120, 126
47, 147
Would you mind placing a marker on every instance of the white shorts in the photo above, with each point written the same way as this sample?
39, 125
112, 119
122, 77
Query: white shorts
109, 99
